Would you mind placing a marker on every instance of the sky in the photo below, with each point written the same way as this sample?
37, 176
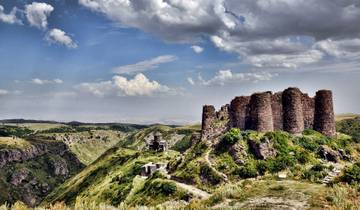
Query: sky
160, 61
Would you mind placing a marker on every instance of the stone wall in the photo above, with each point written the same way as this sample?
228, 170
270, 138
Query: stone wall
308, 111
214, 123
277, 111
290, 110
324, 121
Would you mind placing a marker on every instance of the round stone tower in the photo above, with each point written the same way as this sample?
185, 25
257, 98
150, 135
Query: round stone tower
324, 119
261, 112
208, 118
293, 118
238, 111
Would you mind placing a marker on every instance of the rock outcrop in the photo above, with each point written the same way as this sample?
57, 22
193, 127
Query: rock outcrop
30, 173
290, 110
262, 150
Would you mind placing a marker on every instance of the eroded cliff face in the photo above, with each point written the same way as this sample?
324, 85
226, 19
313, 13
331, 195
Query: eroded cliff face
29, 174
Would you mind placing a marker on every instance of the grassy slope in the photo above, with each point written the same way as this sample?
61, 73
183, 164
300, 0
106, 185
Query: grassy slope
112, 178
109, 179
88, 145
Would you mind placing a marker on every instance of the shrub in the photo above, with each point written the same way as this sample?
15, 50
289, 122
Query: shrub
161, 187
352, 174
302, 156
183, 144
350, 127
249, 170
315, 173
232, 136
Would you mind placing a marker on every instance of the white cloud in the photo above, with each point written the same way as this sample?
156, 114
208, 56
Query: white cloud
58, 36
98, 89
264, 33
191, 81
197, 49
38, 81
37, 14
345, 48
9, 18
3, 92
144, 65
140, 85
224, 77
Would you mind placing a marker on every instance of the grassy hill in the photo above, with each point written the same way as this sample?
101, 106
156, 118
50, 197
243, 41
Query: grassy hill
238, 170
241, 169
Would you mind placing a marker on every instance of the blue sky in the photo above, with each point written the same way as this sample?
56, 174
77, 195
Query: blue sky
160, 61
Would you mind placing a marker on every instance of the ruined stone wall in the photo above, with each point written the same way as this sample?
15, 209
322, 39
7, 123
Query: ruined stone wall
324, 121
239, 111
290, 110
260, 112
208, 119
277, 111
214, 123
293, 111
308, 111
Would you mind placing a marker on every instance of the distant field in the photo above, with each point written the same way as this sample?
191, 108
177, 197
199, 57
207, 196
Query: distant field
345, 116
10, 142
37, 126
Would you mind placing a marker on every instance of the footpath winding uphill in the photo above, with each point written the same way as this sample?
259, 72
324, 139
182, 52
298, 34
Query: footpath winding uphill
207, 159
193, 190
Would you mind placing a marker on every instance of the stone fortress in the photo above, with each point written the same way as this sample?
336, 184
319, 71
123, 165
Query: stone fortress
290, 110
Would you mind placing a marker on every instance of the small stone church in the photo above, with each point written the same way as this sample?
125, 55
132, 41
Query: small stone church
157, 144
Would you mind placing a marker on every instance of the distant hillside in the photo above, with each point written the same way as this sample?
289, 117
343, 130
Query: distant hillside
345, 116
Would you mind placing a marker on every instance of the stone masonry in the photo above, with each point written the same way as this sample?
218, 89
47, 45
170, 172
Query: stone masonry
290, 110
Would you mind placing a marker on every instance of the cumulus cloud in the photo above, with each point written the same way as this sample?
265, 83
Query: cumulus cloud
224, 77
3, 92
197, 49
144, 65
38, 81
264, 33
140, 85
37, 14
11, 17
58, 36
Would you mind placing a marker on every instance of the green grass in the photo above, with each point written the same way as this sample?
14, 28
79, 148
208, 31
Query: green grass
107, 180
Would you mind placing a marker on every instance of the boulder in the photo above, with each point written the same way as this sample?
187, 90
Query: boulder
262, 150
238, 153
329, 154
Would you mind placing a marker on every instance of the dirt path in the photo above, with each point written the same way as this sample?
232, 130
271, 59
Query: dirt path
207, 159
193, 190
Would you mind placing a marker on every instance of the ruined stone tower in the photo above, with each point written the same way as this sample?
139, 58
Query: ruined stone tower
260, 112
290, 110
324, 119
293, 111
239, 111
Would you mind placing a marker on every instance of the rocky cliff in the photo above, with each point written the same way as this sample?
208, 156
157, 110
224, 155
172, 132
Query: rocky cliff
30, 173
